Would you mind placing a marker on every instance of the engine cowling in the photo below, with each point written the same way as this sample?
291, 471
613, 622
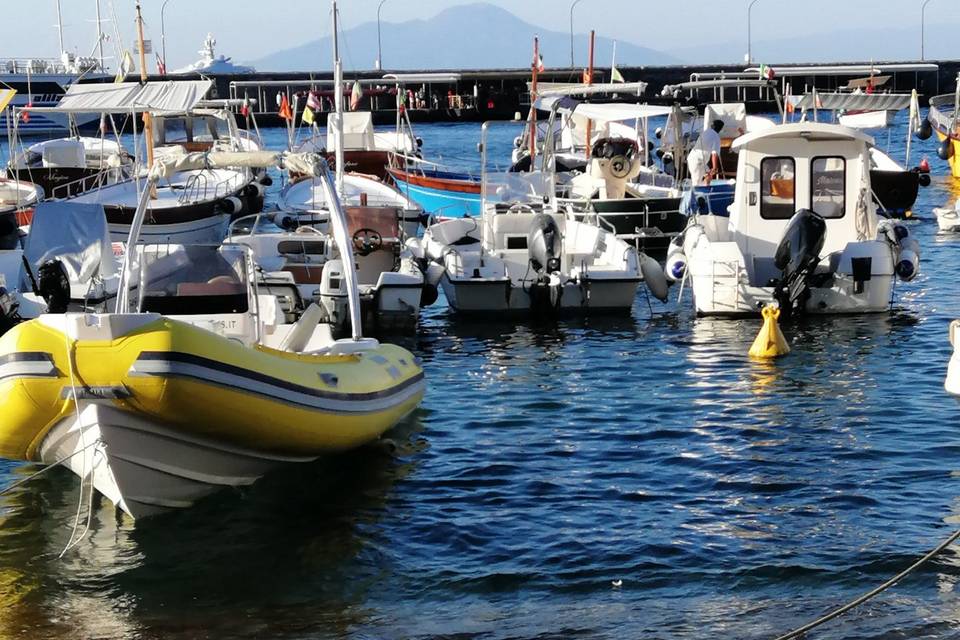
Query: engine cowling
617, 161
544, 244
797, 255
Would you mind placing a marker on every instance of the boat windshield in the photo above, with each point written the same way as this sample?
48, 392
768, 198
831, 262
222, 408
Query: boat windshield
253, 225
504, 189
193, 280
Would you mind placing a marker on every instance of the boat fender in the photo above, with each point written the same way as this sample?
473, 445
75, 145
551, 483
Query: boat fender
924, 179
925, 130
434, 273
945, 150
428, 294
266, 180
658, 133
232, 205
675, 267
654, 277
253, 190
908, 265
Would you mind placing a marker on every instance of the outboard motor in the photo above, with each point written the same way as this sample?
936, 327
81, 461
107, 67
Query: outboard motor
544, 246
797, 256
53, 285
617, 161
9, 318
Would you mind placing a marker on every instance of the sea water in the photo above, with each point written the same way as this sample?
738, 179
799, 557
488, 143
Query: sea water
601, 478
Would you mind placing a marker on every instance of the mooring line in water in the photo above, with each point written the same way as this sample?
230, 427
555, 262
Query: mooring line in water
800, 632
59, 462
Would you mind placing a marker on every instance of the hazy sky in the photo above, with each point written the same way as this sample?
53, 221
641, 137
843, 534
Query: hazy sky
247, 30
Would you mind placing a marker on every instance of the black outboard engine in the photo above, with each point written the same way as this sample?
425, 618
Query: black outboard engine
544, 246
797, 256
54, 286
9, 318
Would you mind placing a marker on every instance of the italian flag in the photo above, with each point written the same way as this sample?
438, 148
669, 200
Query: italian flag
767, 73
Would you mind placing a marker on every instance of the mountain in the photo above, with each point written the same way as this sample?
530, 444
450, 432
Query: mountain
473, 36
853, 44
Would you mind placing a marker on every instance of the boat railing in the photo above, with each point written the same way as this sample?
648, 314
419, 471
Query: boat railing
195, 189
87, 183
47, 66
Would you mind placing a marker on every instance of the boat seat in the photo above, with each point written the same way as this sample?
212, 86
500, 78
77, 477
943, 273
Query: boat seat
302, 247
64, 153
507, 226
305, 273
219, 286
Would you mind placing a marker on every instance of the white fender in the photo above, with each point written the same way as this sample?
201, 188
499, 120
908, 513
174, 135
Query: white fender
232, 205
654, 278
675, 267
415, 247
908, 266
434, 274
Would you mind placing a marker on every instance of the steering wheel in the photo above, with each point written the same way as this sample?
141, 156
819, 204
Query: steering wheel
366, 241
520, 207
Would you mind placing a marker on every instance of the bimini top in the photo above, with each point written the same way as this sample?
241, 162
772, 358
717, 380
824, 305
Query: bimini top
155, 96
813, 131
602, 111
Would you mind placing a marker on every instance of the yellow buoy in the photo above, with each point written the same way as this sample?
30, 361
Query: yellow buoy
770, 342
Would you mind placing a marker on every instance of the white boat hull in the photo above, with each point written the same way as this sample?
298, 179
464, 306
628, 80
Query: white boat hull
868, 119
210, 230
145, 468
948, 219
473, 296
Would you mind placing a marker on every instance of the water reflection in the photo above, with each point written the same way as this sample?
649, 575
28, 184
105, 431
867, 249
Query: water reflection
303, 539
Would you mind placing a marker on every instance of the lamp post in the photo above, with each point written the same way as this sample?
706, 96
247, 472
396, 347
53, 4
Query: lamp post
379, 49
750, 31
163, 35
572, 5
923, 27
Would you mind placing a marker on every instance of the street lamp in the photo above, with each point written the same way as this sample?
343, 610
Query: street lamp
572, 5
749, 31
923, 26
379, 50
163, 35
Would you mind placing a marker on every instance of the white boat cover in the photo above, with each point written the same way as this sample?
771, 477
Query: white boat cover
171, 96
855, 101
555, 89
172, 164
604, 112
77, 235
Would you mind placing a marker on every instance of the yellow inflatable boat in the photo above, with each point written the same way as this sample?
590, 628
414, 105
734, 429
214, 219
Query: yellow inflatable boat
161, 412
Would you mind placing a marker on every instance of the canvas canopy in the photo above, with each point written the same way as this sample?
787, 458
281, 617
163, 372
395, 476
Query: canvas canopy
74, 233
555, 89
855, 101
606, 112
171, 96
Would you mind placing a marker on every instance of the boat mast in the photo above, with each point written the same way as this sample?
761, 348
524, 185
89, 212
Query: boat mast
535, 69
60, 26
100, 36
589, 81
147, 119
337, 102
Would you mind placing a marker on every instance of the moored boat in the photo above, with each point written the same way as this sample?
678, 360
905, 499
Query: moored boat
197, 382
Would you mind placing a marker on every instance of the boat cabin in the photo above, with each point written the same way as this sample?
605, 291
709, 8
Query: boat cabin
821, 167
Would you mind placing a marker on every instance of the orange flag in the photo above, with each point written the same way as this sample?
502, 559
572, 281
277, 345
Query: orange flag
285, 111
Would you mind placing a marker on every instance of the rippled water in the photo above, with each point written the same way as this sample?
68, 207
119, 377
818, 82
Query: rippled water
605, 478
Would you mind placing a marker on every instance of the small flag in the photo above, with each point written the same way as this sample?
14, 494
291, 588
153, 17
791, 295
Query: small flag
538, 63
767, 73
312, 106
355, 96
586, 76
285, 111
126, 66
161, 66
25, 115
245, 109
615, 75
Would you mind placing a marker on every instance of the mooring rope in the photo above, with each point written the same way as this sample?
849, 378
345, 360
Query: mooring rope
801, 631
42, 471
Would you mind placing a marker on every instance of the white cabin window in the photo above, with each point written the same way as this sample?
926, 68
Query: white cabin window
778, 194
828, 182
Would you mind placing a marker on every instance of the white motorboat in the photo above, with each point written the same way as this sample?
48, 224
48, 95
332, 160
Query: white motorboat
803, 231
211, 63
948, 218
303, 265
188, 206
524, 255
64, 164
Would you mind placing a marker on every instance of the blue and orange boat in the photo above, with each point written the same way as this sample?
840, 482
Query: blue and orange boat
445, 194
